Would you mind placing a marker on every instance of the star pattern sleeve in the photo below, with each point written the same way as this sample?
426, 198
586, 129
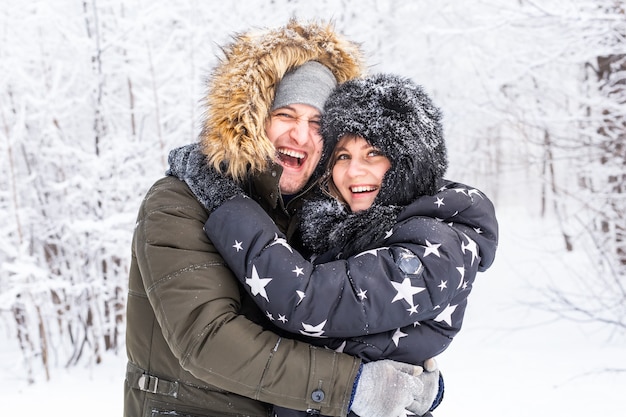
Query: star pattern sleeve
412, 276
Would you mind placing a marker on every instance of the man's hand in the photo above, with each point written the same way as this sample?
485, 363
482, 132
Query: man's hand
389, 389
210, 187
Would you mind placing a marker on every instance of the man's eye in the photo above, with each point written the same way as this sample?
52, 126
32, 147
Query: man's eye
284, 116
314, 126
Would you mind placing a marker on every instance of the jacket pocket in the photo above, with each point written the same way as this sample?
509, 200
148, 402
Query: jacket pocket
165, 409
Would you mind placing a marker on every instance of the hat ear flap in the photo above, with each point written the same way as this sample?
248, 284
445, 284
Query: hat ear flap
407, 179
398, 184
426, 174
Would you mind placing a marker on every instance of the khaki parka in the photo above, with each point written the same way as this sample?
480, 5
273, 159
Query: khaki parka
196, 343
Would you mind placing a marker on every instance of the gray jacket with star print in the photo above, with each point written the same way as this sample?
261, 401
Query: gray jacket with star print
395, 284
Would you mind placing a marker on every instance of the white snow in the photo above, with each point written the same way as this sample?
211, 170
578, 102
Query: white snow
504, 72
509, 360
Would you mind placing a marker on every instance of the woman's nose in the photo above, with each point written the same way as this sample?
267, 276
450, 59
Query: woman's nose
355, 168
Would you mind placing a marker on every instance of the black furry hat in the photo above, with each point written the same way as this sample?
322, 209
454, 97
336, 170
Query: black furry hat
396, 116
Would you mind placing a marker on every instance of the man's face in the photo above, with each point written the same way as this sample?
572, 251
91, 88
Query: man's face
294, 131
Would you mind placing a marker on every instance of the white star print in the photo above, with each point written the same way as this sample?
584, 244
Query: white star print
237, 245
257, 285
388, 234
462, 272
474, 191
299, 271
478, 230
282, 318
406, 291
269, 315
446, 315
443, 285
371, 252
412, 309
397, 336
431, 248
301, 295
471, 246
281, 241
362, 294
439, 202
461, 190
315, 331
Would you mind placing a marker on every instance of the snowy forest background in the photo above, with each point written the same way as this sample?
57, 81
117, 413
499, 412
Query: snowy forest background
94, 93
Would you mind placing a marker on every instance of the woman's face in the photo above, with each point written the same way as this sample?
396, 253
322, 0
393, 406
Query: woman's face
358, 171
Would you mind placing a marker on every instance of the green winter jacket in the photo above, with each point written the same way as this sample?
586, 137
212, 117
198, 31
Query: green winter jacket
196, 342
190, 350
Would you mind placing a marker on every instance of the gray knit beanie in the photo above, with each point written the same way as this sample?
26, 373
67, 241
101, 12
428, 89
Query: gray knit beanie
311, 83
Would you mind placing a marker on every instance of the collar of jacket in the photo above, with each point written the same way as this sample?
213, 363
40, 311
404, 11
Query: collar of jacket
265, 186
266, 189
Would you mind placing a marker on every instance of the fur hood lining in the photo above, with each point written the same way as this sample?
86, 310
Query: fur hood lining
241, 89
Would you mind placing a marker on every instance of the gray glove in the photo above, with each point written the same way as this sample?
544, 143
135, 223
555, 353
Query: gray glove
210, 187
433, 386
389, 389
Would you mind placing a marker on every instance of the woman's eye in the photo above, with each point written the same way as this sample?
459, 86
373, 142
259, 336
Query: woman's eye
342, 157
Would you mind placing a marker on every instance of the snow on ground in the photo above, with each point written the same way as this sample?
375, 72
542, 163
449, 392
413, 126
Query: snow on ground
514, 360
509, 360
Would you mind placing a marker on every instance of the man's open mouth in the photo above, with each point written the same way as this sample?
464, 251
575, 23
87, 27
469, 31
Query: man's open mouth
291, 158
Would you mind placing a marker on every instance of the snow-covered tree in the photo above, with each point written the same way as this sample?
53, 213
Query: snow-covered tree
93, 94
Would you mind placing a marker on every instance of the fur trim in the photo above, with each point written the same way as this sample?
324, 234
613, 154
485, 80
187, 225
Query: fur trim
395, 115
241, 89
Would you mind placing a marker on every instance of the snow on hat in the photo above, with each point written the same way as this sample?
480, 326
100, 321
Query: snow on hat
396, 116
310, 83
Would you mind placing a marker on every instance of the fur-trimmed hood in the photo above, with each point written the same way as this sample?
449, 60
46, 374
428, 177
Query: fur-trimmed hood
241, 89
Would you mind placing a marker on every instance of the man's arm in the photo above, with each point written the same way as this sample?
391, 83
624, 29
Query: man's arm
196, 302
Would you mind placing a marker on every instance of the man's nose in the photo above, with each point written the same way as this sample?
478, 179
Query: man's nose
301, 132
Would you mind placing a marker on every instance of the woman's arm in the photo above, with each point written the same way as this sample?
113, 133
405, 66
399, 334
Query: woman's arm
420, 267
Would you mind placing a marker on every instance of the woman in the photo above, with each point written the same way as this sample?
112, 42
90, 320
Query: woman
395, 247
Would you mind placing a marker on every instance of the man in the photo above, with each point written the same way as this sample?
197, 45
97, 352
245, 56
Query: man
197, 345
